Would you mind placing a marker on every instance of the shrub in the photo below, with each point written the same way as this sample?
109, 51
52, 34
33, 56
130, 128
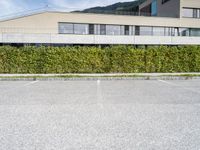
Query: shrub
112, 59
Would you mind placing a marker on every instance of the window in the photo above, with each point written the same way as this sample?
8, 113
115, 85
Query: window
168, 31
187, 12
194, 32
131, 30
97, 29
146, 31
191, 12
137, 30
154, 8
175, 32
184, 31
112, 30
122, 30
159, 31
66, 28
70, 28
126, 30
102, 29
195, 13
91, 28
81, 29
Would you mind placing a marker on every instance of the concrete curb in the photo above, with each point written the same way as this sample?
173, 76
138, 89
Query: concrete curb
92, 77
100, 78
101, 74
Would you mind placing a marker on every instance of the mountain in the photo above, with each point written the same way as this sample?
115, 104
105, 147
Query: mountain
117, 8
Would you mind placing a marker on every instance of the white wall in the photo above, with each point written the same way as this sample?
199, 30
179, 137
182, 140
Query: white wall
97, 39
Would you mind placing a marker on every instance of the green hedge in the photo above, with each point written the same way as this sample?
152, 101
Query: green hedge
123, 59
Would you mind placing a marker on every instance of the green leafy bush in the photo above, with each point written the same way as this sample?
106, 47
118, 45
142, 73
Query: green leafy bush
114, 59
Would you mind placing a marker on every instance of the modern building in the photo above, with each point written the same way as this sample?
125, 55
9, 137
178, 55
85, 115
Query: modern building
172, 22
171, 8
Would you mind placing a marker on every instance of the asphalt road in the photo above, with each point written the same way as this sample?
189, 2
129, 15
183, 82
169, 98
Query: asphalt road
90, 115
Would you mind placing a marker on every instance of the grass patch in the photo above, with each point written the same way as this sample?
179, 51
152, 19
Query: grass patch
148, 77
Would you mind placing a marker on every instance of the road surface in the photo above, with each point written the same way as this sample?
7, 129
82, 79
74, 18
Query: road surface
100, 115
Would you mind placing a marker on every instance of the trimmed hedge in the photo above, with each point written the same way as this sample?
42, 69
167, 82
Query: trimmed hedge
115, 59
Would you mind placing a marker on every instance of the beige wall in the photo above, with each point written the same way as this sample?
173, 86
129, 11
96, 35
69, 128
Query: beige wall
48, 22
190, 3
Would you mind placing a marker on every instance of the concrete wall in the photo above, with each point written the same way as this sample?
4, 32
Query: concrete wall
48, 22
97, 39
190, 3
169, 9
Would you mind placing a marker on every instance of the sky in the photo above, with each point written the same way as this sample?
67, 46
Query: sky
10, 7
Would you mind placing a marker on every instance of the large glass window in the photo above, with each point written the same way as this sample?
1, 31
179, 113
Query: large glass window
154, 8
97, 29
91, 29
137, 30
127, 30
122, 30
66, 28
168, 31
81, 29
146, 31
159, 31
175, 32
184, 31
191, 12
194, 32
131, 30
113, 30
187, 12
102, 29
195, 13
